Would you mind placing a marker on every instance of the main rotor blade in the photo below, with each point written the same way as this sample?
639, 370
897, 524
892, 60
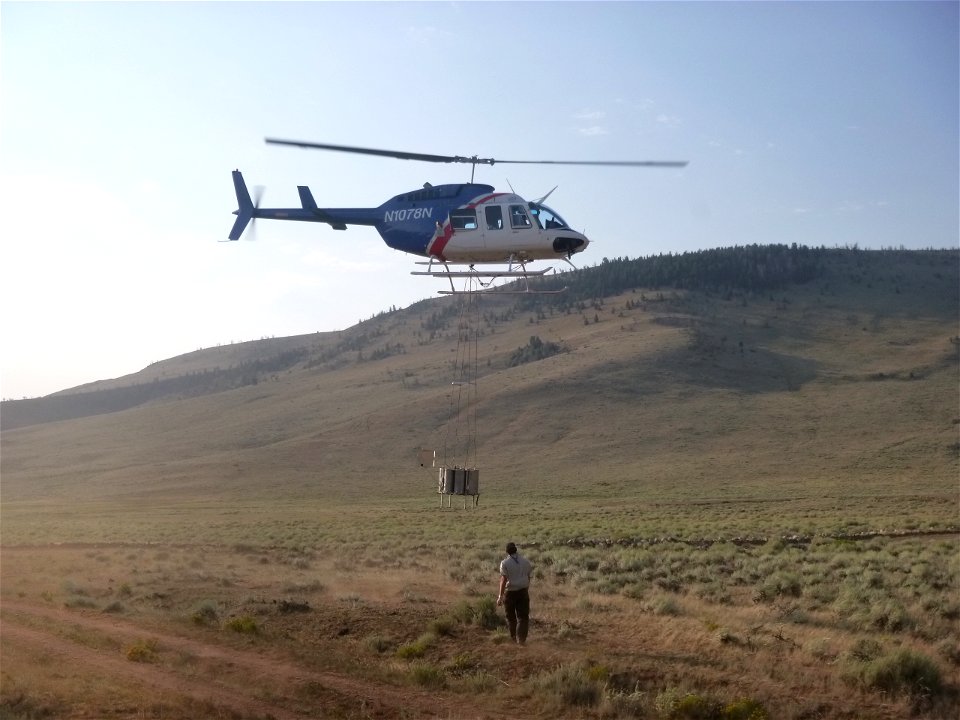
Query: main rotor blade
384, 153
620, 163
474, 160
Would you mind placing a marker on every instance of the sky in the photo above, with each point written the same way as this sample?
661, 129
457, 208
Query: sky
820, 123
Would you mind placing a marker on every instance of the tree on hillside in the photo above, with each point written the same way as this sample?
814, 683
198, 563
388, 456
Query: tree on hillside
535, 349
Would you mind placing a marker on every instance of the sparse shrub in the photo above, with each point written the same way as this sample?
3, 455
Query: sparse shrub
583, 602
243, 624
623, 704
823, 593
462, 664
20, 702
205, 612
124, 590
866, 649
571, 686
820, 649
286, 607
427, 675
890, 616
143, 651
607, 586
482, 613
779, 585
726, 637
71, 588
677, 705
667, 700
115, 607
695, 707
669, 583
480, 682
744, 709
663, 605
903, 671
795, 614
485, 614
598, 673
79, 601
566, 630
378, 643
950, 649
442, 625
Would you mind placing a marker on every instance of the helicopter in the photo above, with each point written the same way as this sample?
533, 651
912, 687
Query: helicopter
463, 224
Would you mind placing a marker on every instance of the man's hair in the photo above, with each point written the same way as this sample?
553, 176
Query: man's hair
511, 548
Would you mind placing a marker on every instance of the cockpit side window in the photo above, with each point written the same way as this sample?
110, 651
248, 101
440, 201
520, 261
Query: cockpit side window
464, 219
494, 215
518, 217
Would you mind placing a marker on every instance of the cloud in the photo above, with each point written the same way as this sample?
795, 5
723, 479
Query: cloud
593, 126
594, 130
669, 120
591, 115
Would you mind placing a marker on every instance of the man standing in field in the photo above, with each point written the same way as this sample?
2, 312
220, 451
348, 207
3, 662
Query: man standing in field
514, 595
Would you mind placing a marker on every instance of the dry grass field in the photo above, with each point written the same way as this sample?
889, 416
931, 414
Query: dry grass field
739, 505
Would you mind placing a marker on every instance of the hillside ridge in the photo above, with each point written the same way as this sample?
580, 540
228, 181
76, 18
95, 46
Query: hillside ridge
737, 273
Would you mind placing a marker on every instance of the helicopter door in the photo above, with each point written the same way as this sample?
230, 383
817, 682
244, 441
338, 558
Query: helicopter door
502, 224
496, 234
494, 217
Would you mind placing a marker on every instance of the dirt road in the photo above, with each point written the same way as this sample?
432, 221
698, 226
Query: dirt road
190, 673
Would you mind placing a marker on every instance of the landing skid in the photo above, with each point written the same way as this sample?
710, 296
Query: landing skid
443, 271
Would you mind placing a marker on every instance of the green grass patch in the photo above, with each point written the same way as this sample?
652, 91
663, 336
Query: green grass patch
244, 624
418, 648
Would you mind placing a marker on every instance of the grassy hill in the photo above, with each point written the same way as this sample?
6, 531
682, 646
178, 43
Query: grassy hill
692, 381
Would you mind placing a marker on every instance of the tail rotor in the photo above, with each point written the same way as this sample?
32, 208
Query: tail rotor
257, 197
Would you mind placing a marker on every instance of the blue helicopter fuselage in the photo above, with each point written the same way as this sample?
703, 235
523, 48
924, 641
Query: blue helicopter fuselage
465, 222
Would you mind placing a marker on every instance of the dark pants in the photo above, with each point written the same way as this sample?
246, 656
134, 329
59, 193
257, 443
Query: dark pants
517, 605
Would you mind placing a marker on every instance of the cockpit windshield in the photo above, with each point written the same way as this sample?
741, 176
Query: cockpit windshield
546, 218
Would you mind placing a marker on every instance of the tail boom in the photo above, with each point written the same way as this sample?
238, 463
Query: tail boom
337, 218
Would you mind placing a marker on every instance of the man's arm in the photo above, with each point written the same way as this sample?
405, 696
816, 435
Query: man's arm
503, 587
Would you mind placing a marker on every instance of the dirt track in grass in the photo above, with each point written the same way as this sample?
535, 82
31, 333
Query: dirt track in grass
244, 683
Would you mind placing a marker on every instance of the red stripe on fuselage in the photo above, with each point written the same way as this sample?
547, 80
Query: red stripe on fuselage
437, 245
